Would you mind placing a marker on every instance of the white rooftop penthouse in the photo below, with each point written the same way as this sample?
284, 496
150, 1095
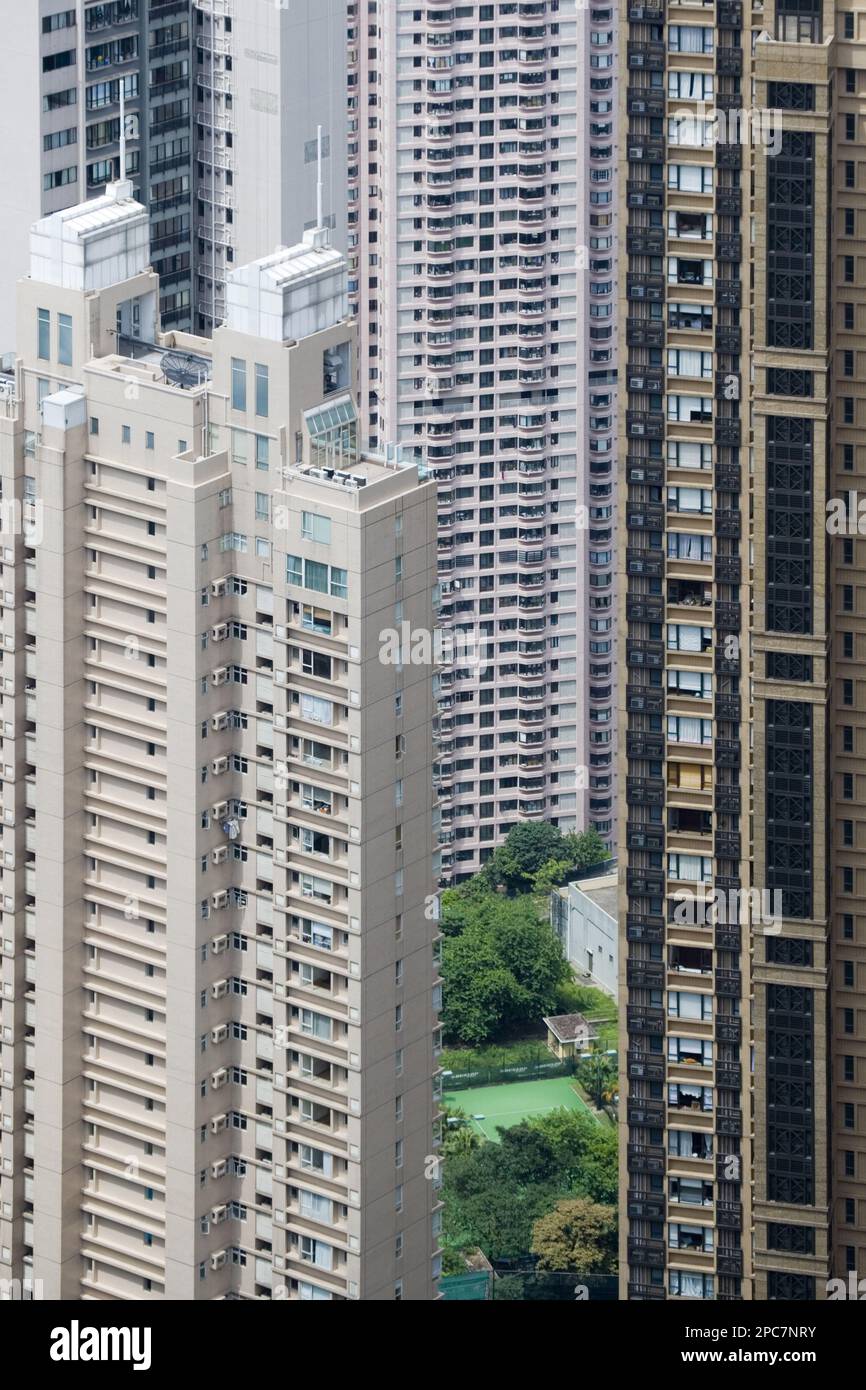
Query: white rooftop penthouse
94, 245
290, 295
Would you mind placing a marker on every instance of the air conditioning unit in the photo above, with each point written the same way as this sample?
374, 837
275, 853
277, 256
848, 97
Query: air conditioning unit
220, 675
219, 989
218, 1259
219, 1168
218, 1124
219, 810
220, 899
220, 721
219, 1078
219, 944
219, 587
219, 856
218, 1215
220, 1033
220, 632
219, 766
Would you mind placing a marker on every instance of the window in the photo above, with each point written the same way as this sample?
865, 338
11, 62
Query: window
685, 637
697, 684
64, 19
43, 335
53, 61
691, 178
685, 545
690, 499
263, 452
690, 38
316, 710
316, 528
312, 574
64, 340
239, 384
261, 376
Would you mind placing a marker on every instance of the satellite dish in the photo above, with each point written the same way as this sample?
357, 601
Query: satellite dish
184, 369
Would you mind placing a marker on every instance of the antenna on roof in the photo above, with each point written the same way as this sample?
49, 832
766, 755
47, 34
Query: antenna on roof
319, 184
121, 187
318, 236
122, 128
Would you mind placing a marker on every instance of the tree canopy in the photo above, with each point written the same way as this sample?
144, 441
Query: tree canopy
577, 1235
536, 857
502, 966
496, 1193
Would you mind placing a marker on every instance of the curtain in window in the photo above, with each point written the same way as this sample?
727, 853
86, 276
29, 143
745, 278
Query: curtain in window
318, 711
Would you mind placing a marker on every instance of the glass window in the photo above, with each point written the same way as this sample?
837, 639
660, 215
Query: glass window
316, 528
261, 373
316, 576
64, 343
43, 334
239, 384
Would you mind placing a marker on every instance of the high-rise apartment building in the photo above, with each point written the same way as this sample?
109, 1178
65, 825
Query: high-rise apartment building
223, 102
596, 400
464, 154
62, 69
219, 1003
743, 1154
266, 77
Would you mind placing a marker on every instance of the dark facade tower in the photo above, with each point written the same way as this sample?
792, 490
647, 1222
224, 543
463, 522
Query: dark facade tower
741, 299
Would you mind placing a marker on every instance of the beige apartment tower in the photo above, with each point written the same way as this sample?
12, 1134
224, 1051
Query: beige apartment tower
219, 960
743, 1123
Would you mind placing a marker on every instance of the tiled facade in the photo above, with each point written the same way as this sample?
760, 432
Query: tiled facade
742, 1123
62, 67
463, 273
219, 964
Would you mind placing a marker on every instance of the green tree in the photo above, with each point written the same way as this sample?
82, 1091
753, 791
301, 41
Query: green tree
577, 1235
501, 973
484, 1209
586, 849
574, 854
527, 847
598, 1174
584, 1155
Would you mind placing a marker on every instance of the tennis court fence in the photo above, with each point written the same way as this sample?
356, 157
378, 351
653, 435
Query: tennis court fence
543, 1066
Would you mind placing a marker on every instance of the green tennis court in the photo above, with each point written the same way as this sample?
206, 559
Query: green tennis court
507, 1105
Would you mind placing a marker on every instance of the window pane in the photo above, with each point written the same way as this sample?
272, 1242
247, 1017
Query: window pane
239, 384
43, 334
64, 349
261, 390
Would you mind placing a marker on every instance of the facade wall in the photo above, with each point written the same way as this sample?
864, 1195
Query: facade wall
220, 963
772, 640
588, 934
68, 62
266, 76
465, 284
